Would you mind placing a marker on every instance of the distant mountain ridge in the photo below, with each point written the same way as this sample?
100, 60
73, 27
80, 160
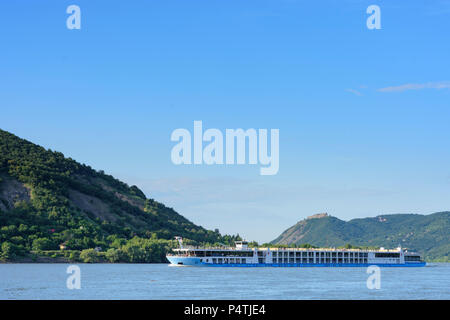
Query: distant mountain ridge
426, 234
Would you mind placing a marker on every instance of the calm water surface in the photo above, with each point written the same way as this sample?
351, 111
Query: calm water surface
158, 281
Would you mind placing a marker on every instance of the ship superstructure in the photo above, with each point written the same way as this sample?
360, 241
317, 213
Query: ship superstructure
243, 256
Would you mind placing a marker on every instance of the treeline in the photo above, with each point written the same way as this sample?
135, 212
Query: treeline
135, 250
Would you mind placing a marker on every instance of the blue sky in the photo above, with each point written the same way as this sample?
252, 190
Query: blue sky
363, 114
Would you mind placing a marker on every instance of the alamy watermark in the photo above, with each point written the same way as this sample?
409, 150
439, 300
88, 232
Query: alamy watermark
74, 280
374, 280
231, 151
74, 20
374, 20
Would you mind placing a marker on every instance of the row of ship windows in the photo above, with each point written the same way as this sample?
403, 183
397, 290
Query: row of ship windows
284, 254
326, 260
412, 258
225, 261
220, 254
319, 254
291, 260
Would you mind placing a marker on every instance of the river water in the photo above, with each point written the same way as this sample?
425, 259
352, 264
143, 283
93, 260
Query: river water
160, 281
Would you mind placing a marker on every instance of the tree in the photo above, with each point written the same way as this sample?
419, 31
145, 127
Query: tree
73, 256
113, 255
89, 256
9, 251
43, 244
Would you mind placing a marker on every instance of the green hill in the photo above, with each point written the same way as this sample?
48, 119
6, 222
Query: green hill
47, 200
426, 234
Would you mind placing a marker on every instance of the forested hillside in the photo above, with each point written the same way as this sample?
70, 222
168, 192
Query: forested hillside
49, 202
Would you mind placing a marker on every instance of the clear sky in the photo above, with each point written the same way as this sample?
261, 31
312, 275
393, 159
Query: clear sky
364, 115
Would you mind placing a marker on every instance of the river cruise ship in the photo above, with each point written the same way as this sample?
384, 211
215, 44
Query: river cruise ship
243, 256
